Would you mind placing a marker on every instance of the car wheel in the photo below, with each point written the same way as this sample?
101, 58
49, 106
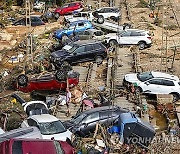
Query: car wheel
99, 60
22, 80
113, 18
60, 75
138, 90
113, 43
100, 19
66, 66
142, 45
176, 97
126, 26
57, 15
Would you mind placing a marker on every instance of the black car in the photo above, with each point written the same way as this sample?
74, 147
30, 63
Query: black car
79, 51
35, 21
84, 123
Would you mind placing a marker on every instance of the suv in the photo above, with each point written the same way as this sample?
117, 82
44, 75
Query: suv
74, 27
79, 51
107, 12
68, 9
141, 38
79, 16
35, 21
155, 83
85, 122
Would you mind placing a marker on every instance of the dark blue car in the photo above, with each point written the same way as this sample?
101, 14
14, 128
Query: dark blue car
73, 27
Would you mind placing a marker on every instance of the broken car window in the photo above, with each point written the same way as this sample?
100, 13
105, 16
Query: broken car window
49, 128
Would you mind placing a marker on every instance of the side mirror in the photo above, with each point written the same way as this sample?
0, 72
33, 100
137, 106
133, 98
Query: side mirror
74, 53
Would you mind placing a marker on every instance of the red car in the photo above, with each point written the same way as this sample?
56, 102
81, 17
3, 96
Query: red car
48, 81
68, 9
35, 146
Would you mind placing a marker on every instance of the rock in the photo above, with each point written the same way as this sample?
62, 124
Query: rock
5, 36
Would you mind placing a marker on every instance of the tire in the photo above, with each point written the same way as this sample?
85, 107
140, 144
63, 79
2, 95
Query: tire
141, 45
100, 19
60, 75
113, 18
22, 80
57, 15
99, 60
66, 67
138, 90
113, 43
126, 26
176, 97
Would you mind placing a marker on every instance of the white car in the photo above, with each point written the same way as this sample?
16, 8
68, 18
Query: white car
107, 12
1, 131
155, 83
91, 34
79, 16
49, 126
141, 38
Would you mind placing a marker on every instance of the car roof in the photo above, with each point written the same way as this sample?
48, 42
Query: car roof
164, 75
44, 118
101, 109
83, 42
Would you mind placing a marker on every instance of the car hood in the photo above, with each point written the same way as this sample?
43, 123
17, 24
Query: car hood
132, 78
60, 53
61, 136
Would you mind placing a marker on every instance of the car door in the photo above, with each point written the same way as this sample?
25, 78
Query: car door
88, 124
71, 7
135, 37
79, 55
80, 27
105, 117
98, 35
90, 52
167, 87
70, 30
152, 86
125, 38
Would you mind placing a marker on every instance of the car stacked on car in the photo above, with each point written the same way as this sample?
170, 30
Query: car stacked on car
84, 37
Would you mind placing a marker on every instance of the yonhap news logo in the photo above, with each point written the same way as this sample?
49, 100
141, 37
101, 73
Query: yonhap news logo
147, 140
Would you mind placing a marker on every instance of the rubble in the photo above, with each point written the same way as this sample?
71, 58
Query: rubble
98, 85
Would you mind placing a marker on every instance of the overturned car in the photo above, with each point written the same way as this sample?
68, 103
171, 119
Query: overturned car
47, 81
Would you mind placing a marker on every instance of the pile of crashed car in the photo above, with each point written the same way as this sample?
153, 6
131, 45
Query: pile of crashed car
41, 132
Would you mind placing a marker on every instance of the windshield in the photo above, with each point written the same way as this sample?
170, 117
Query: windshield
49, 128
78, 118
144, 76
69, 48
